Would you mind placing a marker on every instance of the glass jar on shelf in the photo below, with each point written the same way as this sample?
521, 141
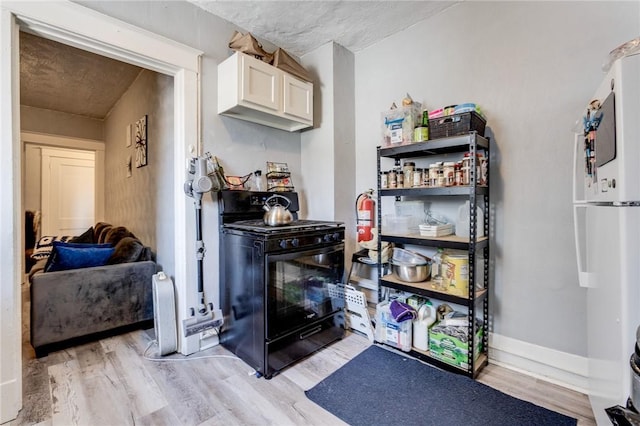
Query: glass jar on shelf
449, 173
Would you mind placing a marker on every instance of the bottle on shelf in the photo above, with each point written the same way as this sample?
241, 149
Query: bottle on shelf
437, 278
407, 170
449, 173
425, 124
421, 132
426, 318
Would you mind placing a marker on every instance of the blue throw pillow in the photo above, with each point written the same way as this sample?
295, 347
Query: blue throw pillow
65, 256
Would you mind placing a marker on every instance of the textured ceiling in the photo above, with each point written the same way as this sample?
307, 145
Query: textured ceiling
62, 78
302, 26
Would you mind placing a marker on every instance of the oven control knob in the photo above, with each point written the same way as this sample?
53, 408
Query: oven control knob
328, 238
295, 242
283, 243
318, 240
336, 236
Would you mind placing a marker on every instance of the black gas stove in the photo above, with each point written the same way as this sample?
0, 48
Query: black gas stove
275, 281
242, 213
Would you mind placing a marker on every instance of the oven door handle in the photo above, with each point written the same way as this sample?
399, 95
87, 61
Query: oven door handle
311, 332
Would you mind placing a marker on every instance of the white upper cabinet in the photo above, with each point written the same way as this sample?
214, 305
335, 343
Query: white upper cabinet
297, 98
261, 83
252, 90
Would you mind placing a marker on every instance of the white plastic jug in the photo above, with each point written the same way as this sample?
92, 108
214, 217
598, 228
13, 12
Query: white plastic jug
462, 223
426, 318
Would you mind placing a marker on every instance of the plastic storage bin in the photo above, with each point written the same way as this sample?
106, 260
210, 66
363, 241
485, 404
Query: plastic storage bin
457, 124
414, 210
390, 332
398, 124
393, 224
462, 222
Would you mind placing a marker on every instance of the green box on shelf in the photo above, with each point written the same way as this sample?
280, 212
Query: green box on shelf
451, 349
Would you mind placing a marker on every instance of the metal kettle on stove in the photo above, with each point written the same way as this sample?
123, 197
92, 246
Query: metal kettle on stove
276, 214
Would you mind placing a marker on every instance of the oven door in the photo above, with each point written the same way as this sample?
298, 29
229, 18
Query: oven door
297, 288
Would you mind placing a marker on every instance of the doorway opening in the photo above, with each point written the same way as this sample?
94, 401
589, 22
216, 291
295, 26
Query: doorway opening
68, 92
81, 27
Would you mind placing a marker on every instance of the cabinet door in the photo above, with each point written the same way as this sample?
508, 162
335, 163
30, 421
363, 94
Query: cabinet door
298, 98
260, 83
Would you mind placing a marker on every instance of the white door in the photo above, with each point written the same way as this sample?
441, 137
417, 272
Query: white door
68, 191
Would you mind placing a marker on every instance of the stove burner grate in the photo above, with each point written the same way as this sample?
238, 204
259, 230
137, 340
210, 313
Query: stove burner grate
258, 225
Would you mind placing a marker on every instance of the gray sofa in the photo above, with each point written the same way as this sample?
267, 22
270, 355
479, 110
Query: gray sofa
74, 304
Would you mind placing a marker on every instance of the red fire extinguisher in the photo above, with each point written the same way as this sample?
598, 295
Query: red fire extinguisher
365, 214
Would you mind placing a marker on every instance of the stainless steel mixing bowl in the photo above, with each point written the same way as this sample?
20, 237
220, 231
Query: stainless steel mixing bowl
411, 273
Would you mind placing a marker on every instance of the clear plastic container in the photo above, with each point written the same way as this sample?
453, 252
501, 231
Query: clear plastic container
393, 224
414, 209
462, 223
408, 257
396, 334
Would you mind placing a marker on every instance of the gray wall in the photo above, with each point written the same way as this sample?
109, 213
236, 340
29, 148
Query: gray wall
60, 123
318, 144
533, 67
345, 142
143, 202
328, 151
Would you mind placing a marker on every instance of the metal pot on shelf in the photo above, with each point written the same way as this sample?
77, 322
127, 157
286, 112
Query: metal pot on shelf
277, 214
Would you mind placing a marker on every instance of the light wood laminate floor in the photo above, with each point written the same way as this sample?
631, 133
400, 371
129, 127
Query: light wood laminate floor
108, 382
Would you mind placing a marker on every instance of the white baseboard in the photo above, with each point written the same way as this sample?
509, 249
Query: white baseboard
10, 401
561, 368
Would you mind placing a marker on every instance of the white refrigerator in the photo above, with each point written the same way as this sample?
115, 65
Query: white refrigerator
606, 199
